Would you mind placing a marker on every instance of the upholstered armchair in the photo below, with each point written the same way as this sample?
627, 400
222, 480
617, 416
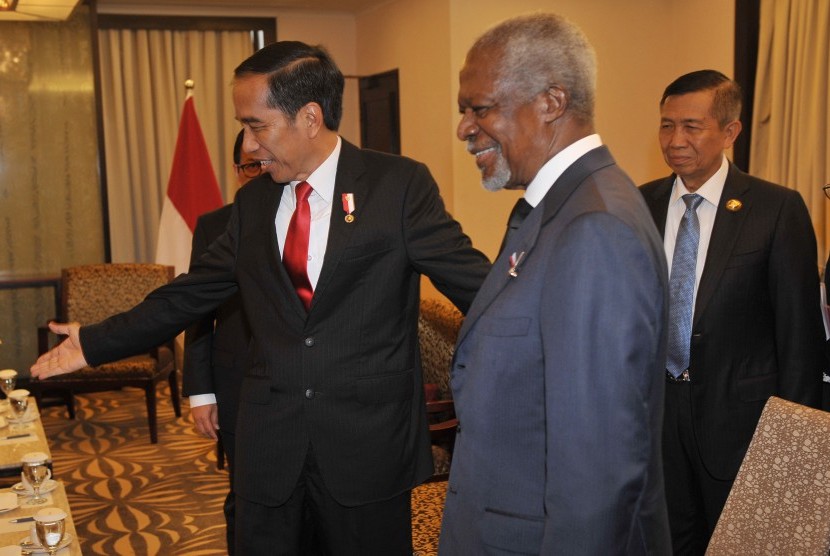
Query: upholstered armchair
91, 293
780, 502
438, 326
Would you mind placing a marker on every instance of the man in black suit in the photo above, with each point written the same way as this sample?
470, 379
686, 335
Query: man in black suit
331, 432
216, 347
753, 326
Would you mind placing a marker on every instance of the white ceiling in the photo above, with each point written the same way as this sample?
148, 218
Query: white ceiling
350, 6
33, 10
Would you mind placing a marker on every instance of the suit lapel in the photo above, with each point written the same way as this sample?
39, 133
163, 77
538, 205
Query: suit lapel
724, 235
524, 240
658, 203
350, 167
521, 244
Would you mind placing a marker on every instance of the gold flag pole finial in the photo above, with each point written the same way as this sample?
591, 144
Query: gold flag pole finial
189, 85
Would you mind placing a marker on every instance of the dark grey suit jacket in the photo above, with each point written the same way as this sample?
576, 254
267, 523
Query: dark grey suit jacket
346, 376
558, 381
757, 328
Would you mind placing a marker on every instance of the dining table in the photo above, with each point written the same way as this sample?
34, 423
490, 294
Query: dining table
19, 438
15, 528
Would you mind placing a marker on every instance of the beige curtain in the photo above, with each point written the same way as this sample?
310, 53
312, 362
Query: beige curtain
791, 121
142, 86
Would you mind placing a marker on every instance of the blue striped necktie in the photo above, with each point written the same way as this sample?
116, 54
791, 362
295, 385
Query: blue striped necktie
682, 287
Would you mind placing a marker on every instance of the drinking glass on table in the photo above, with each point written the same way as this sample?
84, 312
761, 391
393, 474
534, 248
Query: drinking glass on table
19, 402
50, 526
8, 380
35, 473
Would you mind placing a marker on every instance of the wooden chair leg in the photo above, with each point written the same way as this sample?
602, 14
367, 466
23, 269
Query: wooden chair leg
69, 398
150, 394
174, 393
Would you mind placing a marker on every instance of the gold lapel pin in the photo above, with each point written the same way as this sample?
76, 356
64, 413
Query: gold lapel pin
734, 205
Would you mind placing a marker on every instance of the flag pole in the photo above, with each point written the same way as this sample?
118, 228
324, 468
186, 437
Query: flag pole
189, 85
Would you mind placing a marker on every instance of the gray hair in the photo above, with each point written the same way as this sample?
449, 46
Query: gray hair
542, 50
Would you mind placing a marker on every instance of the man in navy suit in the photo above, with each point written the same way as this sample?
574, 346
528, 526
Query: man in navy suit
558, 373
755, 327
216, 348
331, 430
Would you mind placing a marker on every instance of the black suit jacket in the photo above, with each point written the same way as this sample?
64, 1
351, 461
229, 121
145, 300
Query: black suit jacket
346, 376
757, 328
216, 348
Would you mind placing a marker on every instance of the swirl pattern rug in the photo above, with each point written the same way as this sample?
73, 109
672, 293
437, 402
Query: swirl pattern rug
131, 497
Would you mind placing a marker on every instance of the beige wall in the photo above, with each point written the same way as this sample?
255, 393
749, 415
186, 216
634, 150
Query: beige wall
641, 46
414, 37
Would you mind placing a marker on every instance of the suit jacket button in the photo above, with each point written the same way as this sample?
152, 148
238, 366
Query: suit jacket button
309, 341
309, 393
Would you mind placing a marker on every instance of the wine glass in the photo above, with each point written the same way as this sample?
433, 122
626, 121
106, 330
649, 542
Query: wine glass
8, 380
36, 472
19, 402
50, 526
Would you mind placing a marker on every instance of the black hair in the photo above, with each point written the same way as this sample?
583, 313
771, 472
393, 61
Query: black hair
298, 74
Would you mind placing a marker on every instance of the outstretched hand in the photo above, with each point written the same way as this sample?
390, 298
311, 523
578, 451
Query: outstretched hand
64, 357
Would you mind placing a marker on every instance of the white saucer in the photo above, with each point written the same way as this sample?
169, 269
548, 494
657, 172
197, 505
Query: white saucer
37, 549
8, 502
48, 486
28, 417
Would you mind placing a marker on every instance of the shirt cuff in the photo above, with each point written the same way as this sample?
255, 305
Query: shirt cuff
202, 399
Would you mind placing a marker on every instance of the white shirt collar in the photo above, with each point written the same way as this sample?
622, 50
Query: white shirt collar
556, 166
322, 179
711, 190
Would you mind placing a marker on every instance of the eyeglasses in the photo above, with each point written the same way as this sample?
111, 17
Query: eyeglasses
252, 169
826, 189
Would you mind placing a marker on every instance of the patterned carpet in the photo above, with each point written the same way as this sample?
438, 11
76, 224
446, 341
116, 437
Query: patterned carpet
130, 497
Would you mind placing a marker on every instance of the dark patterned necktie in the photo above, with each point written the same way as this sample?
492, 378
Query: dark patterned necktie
682, 287
520, 211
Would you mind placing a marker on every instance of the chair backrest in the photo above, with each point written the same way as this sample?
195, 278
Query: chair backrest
94, 292
438, 326
780, 502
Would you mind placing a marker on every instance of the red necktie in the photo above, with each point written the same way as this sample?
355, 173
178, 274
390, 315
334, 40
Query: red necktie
295, 255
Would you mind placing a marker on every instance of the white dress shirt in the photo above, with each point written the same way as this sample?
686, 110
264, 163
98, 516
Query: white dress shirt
556, 166
711, 192
320, 203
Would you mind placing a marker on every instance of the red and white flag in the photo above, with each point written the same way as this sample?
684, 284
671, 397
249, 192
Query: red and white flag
192, 190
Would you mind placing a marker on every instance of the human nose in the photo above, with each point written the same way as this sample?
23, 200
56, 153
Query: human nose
467, 127
249, 143
676, 138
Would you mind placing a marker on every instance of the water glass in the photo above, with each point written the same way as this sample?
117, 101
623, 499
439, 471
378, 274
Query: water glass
8, 380
19, 402
50, 526
35, 473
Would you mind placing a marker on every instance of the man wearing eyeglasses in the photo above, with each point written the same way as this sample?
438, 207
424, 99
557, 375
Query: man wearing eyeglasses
216, 348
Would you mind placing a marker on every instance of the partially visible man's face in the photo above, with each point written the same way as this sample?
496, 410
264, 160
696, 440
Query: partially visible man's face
500, 132
241, 178
269, 133
691, 139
